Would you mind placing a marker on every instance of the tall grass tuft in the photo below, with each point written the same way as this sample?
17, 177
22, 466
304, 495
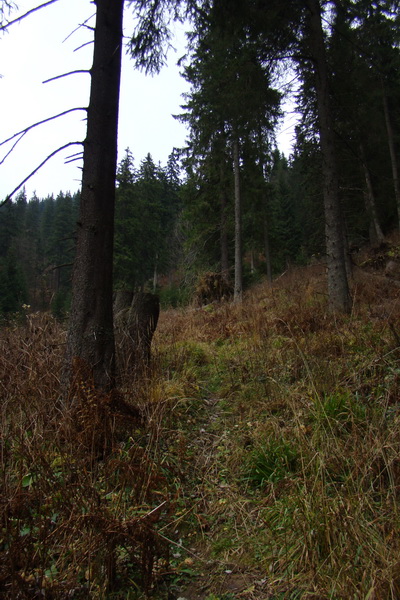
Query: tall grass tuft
258, 457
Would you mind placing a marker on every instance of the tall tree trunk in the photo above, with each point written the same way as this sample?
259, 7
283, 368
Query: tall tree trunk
224, 231
266, 241
392, 150
155, 275
252, 264
238, 285
91, 336
338, 289
267, 249
375, 232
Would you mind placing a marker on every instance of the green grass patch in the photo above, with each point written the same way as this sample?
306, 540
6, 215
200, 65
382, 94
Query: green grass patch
271, 462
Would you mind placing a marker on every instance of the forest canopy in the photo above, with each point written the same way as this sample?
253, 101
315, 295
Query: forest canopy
177, 221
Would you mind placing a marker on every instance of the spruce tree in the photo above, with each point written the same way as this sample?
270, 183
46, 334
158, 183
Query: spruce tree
231, 100
338, 287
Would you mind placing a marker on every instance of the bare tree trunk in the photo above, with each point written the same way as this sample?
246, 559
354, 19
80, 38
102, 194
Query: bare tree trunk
90, 336
267, 249
392, 150
224, 232
375, 232
238, 285
338, 289
252, 265
155, 275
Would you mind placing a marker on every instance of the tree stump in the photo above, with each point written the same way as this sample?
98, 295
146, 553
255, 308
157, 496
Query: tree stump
135, 325
122, 300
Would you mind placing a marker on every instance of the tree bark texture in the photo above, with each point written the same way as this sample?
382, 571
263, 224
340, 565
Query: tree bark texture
338, 289
392, 150
238, 285
91, 336
224, 234
266, 241
376, 236
135, 325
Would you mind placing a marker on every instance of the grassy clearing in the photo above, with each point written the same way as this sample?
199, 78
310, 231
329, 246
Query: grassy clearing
266, 462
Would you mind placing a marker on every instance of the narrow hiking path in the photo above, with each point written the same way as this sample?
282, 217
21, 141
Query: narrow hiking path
282, 424
214, 422
266, 464
212, 571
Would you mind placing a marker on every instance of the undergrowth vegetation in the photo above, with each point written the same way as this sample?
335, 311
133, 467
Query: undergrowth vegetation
259, 458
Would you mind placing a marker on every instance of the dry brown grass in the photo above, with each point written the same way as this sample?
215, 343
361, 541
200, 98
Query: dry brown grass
80, 493
278, 369
265, 462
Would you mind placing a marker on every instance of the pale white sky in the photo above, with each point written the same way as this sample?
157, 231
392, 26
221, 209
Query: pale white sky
35, 50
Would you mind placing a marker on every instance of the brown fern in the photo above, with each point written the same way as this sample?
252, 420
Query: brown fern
97, 413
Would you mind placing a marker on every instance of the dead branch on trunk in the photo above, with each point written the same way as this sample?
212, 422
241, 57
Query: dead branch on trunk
73, 157
83, 45
66, 74
9, 196
26, 129
18, 19
84, 25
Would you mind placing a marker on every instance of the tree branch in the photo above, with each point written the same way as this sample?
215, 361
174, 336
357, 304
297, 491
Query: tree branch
81, 25
12, 147
9, 196
18, 19
66, 75
71, 264
76, 154
3, 202
6, 5
26, 129
83, 45
73, 158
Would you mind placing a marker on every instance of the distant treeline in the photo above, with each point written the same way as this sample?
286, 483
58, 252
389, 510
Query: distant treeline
168, 227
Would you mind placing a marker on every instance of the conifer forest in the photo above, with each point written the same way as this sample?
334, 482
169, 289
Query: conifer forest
200, 360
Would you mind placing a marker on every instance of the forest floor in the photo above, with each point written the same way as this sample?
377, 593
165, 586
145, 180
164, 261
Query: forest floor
265, 463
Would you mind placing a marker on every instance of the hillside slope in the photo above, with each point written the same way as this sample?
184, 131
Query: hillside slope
264, 463
289, 438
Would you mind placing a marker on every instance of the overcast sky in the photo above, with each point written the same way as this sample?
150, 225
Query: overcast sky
40, 47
